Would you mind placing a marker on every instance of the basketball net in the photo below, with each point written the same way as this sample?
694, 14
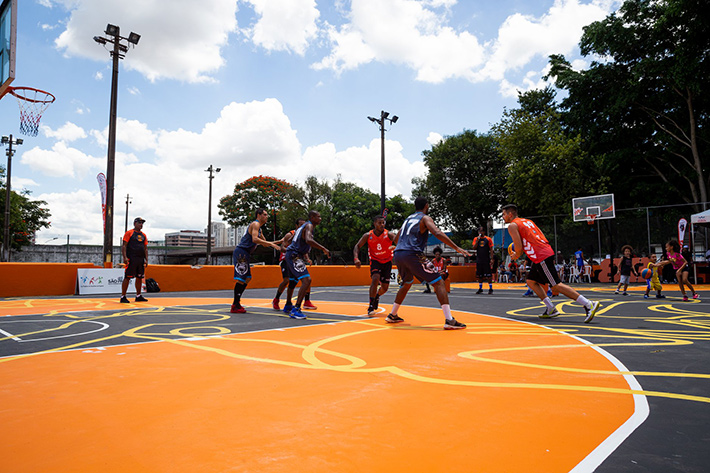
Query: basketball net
591, 218
33, 102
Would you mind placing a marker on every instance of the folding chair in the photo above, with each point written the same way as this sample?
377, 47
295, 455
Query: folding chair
587, 273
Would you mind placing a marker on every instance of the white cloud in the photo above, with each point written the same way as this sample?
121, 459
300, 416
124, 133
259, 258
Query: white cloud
417, 35
22, 183
130, 132
68, 132
285, 25
403, 32
434, 138
181, 42
99, 75
61, 161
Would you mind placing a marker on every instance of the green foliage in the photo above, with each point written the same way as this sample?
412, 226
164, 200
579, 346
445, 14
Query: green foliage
642, 109
465, 181
26, 216
546, 168
279, 197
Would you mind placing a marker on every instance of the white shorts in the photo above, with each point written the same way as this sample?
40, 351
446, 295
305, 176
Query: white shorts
624, 279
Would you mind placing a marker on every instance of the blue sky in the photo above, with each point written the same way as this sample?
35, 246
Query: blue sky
274, 87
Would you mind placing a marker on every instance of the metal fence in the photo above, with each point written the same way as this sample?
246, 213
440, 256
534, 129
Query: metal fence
646, 229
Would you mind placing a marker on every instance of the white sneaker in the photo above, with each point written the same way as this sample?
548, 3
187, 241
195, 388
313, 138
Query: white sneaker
592, 311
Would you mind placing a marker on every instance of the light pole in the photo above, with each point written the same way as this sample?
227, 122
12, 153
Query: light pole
6, 224
118, 52
382, 121
209, 215
128, 201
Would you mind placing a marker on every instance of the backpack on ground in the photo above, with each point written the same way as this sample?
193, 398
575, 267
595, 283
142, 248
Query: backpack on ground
151, 285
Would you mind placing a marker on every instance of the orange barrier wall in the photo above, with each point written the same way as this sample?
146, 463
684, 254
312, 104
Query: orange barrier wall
39, 279
54, 279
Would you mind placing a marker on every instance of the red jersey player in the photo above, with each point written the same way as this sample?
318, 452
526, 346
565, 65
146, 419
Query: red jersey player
379, 247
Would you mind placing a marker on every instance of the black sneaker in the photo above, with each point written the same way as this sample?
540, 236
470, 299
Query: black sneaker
394, 319
124, 300
453, 324
141, 299
490, 291
427, 291
660, 297
376, 303
480, 291
370, 310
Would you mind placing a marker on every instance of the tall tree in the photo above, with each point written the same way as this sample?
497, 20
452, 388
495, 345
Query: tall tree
465, 181
275, 195
642, 104
545, 168
27, 216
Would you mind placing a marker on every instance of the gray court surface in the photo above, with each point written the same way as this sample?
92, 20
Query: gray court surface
665, 342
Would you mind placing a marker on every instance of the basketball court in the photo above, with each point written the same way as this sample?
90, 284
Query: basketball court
180, 384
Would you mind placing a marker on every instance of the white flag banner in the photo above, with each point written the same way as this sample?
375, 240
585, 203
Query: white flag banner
682, 225
102, 188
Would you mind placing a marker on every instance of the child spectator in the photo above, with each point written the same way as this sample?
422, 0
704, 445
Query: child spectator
626, 267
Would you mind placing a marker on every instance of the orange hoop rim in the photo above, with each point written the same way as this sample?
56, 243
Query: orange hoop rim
591, 218
47, 100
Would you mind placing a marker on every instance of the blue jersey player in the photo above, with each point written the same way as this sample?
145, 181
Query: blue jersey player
242, 256
411, 261
296, 259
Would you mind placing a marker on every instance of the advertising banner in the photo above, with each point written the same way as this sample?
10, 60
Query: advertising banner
102, 188
103, 281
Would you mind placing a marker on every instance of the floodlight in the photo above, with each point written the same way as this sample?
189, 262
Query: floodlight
373, 120
134, 38
100, 39
385, 114
394, 119
5, 139
19, 141
218, 169
112, 30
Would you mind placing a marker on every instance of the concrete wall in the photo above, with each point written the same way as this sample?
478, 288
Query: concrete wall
77, 254
47, 279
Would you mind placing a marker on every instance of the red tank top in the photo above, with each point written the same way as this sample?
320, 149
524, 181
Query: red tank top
378, 247
438, 265
283, 253
535, 244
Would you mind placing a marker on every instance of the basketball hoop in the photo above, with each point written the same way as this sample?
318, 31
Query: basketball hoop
591, 218
33, 102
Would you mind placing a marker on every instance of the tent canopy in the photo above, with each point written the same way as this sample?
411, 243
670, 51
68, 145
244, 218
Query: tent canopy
702, 217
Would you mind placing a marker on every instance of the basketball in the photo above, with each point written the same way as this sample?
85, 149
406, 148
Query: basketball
646, 273
511, 249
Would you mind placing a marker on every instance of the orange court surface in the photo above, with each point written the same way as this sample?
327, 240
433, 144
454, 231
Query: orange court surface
178, 384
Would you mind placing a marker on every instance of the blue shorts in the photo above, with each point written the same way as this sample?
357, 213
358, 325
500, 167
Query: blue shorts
411, 264
296, 266
242, 270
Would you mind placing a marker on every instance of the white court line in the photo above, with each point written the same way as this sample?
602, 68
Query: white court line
9, 335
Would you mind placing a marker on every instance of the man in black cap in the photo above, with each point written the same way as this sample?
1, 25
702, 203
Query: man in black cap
135, 257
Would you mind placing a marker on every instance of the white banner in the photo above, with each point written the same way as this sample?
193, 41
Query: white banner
682, 225
102, 189
103, 281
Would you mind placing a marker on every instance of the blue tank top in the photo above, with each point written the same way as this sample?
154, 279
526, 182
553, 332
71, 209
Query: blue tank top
298, 244
246, 243
410, 238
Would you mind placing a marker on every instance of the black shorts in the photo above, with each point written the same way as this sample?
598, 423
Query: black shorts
411, 264
383, 269
135, 267
544, 272
483, 270
284, 269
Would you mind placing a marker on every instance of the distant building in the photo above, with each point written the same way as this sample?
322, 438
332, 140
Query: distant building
219, 234
234, 234
188, 239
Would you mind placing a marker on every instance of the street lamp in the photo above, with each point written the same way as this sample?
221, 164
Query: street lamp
381, 122
209, 215
118, 52
6, 224
128, 201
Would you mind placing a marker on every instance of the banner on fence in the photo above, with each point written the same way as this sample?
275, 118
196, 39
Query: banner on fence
103, 281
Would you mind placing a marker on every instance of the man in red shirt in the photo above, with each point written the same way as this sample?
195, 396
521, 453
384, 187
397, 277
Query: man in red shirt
379, 242
528, 238
135, 257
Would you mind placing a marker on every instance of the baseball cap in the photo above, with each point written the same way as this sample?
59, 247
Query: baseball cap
138, 219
